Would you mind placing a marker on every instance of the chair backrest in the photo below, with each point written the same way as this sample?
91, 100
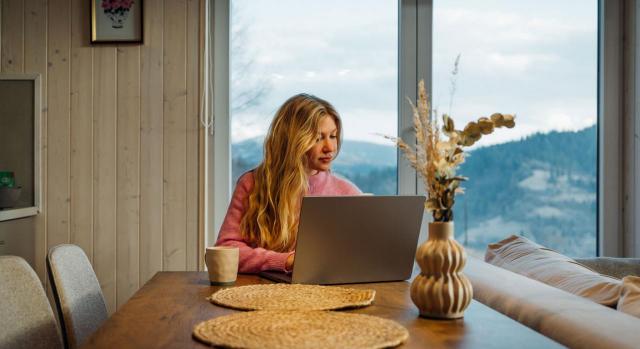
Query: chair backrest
77, 293
26, 318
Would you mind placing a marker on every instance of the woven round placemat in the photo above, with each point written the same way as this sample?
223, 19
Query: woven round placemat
300, 329
292, 297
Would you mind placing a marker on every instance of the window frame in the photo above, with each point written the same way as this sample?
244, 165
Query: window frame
622, 59
414, 59
611, 100
415, 62
634, 143
217, 140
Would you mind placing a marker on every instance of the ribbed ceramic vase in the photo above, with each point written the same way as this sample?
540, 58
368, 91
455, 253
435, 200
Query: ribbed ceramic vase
441, 290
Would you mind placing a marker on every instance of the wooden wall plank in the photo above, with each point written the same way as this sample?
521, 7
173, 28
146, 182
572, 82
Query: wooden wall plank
12, 21
58, 84
193, 91
128, 173
174, 145
81, 176
35, 39
104, 171
151, 116
35, 61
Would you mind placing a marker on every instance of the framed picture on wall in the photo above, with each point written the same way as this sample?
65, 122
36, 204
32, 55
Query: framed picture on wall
116, 21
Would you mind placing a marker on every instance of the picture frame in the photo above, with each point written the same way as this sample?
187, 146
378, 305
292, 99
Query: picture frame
116, 21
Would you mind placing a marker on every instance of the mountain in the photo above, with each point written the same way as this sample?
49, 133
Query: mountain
542, 187
355, 158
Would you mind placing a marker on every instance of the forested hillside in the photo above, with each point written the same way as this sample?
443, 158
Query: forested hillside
542, 187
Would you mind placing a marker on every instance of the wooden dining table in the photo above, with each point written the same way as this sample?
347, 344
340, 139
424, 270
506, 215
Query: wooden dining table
163, 313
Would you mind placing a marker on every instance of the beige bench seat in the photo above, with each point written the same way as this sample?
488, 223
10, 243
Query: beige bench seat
568, 319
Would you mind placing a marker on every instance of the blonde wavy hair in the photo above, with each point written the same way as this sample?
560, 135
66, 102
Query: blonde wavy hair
271, 219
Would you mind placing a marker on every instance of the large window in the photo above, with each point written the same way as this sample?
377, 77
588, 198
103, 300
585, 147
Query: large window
342, 51
537, 59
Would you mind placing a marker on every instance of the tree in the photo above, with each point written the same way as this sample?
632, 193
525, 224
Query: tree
248, 87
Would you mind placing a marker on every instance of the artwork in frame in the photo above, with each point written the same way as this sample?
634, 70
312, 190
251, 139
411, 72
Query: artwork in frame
114, 21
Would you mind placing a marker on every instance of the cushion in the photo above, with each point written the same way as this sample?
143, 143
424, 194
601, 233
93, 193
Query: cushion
537, 262
614, 267
630, 298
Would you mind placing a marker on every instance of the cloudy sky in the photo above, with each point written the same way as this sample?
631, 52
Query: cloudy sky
536, 59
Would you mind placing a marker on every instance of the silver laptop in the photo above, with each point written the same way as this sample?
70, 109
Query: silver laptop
354, 239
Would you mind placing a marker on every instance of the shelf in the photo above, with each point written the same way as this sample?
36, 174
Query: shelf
16, 213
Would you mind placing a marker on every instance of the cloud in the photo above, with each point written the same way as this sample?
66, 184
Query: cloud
507, 24
537, 60
517, 63
367, 125
548, 212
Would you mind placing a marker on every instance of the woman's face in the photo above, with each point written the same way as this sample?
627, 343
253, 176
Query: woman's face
319, 157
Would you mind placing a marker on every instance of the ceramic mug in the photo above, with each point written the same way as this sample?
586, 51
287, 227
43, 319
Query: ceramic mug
222, 264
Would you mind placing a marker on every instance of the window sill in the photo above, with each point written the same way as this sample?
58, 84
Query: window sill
6, 215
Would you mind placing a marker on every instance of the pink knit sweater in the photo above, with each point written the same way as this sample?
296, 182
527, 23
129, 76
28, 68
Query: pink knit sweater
254, 260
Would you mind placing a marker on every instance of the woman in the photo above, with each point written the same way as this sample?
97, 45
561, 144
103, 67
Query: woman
262, 218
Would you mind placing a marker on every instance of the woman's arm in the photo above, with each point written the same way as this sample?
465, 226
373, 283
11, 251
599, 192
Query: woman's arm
252, 260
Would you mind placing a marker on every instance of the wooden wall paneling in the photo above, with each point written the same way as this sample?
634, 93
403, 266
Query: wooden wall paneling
192, 121
35, 61
58, 86
81, 173
151, 115
174, 140
90, 143
104, 171
12, 22
128, 173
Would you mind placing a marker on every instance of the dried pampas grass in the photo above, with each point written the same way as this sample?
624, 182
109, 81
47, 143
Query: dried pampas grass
437, 159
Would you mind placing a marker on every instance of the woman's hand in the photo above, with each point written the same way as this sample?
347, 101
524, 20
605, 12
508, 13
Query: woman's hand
289, 263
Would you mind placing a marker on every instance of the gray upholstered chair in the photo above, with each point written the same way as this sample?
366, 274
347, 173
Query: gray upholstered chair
616, 267
26, 318
79, 299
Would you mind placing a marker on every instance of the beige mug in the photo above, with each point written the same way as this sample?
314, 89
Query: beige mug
222, 264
